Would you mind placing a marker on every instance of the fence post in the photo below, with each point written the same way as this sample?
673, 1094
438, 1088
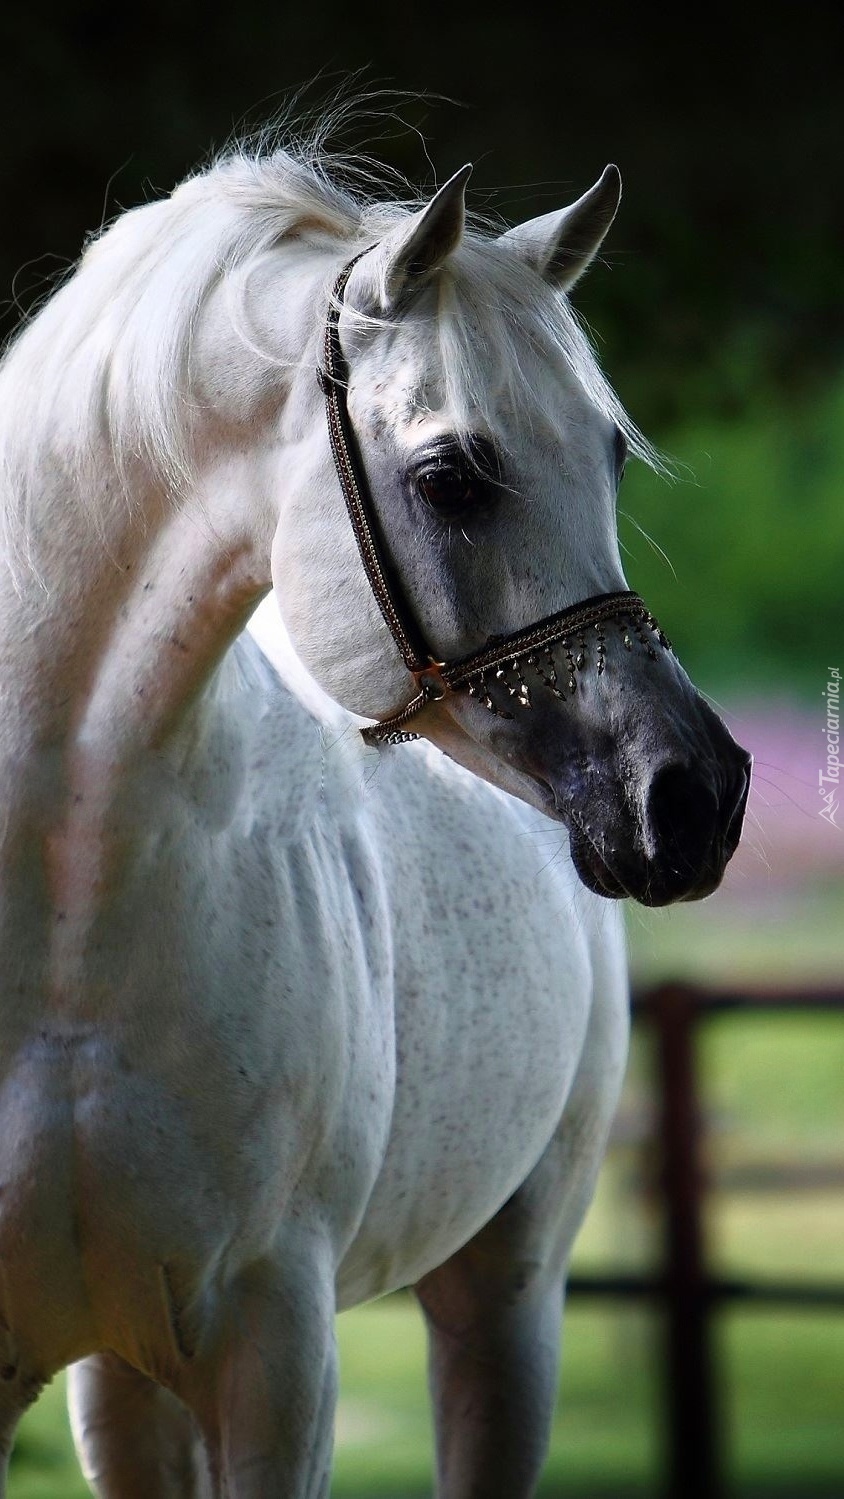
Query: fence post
693, 1456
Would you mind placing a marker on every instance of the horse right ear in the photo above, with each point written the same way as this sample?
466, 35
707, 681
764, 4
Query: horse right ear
412, 253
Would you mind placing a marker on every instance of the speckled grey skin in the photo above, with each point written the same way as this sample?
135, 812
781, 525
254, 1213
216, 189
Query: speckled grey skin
286, 1021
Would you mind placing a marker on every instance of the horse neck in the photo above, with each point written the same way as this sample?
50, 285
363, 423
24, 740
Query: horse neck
127, 598
106, 649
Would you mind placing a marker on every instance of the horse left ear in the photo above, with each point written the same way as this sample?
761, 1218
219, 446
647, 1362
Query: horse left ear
561, 245
413, 253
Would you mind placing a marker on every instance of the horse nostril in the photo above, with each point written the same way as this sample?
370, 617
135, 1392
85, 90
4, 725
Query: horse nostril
740, 789
682, 815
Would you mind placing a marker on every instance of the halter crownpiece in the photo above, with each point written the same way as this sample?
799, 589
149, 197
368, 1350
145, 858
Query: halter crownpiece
579, 630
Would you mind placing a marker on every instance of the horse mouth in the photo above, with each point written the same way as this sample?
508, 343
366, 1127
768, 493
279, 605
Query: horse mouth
658, 883
592, 870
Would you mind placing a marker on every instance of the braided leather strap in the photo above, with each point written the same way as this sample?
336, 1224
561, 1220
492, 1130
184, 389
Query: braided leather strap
508, 652
501, 654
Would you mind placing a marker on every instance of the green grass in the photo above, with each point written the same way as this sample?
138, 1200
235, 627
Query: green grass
787, 938
782, 1408
43, 1463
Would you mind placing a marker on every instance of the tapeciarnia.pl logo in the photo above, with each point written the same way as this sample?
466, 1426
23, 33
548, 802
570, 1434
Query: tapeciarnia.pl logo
829, 776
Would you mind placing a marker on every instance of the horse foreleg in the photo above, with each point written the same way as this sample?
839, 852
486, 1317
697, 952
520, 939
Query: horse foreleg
134, 1439
493, 1362
494, 1311
10, 1414
264, 1385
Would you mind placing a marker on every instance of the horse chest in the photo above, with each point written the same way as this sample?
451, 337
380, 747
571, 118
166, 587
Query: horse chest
210, 1031
493, 994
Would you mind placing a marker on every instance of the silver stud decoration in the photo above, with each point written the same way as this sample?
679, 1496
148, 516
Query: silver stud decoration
639, 626
478, 687
548, 678
522, 690
518, 691
572, 664
643, 638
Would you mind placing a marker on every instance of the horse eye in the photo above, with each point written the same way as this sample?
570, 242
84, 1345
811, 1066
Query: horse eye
445, 488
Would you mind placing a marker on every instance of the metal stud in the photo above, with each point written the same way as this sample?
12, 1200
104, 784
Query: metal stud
478, 688
548, 678
502, 676
660, 634
644, 640
571, 665
555, 687
522, 692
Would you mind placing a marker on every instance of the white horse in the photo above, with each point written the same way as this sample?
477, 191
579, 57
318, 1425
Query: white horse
289, 1019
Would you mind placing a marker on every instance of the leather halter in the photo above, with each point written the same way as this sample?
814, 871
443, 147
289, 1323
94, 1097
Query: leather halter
502, 655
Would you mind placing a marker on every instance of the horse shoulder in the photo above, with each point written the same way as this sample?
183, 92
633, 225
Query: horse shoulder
493, 999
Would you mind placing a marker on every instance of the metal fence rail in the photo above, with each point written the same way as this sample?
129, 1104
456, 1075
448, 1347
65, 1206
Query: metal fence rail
684, 1289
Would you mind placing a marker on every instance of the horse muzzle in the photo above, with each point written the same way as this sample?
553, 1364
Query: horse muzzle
677, 846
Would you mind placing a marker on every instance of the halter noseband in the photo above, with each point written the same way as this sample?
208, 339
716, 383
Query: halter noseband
503, 655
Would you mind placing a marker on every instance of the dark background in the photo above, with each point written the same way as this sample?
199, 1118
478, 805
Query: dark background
718, 306
727, 128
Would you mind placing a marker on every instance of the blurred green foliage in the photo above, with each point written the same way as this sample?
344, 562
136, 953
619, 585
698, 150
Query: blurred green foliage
727, 133
718, 303
753, 532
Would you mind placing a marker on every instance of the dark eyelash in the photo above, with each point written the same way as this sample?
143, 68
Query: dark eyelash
456, 479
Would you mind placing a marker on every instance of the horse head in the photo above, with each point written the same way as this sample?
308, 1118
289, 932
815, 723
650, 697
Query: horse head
488, 450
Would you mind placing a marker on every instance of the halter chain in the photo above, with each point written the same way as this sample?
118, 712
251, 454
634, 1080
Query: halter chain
502, 654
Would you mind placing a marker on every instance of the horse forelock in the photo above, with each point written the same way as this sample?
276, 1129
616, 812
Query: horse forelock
503, 335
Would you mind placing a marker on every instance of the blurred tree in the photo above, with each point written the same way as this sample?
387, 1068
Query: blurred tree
727, 128
718, 304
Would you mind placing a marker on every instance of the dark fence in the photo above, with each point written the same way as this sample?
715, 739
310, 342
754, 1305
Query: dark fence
683, 1289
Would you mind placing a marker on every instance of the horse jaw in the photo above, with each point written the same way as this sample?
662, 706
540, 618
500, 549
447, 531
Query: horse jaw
483, 759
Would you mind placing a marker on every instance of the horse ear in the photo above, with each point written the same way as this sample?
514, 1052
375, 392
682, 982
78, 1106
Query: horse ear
561, 245
411, 254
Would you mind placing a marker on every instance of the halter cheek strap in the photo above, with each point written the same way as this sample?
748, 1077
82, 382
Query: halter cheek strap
578, 630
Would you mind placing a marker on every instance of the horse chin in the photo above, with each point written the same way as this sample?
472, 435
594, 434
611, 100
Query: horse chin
651, 883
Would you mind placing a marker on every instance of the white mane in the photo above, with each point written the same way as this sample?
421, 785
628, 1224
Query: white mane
108, 356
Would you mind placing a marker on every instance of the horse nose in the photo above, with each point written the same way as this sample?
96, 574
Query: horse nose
681, 820
735, 801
